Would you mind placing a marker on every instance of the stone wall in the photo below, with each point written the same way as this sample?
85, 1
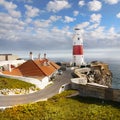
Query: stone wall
97, 91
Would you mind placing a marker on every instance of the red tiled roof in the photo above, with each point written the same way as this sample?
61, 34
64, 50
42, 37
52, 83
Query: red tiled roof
33, 68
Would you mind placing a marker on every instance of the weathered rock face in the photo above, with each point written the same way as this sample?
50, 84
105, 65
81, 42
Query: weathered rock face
98, 72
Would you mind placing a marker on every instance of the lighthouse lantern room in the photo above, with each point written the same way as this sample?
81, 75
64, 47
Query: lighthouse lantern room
78, 56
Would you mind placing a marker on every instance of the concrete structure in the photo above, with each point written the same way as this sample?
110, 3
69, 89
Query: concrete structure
78, 57
5, 57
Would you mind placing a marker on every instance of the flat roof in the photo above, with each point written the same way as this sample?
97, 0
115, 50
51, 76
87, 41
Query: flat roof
5, 54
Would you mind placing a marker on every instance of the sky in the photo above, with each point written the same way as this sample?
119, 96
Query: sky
28, 25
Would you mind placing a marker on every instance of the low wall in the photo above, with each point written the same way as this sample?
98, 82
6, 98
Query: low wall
97, 91
64, 87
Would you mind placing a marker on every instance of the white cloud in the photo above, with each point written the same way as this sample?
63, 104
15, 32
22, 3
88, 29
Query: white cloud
55, 18
111, 2
69, 19
94, 5
95, 18
112, 31
83, 25
46, 23
75, 13
42, 23
10, 7
14, 13
81, 3
31, 11
57, 5
100, 37
98, 33
28, 20
118, 15
25, 1
93, 26
8, 20
10, 27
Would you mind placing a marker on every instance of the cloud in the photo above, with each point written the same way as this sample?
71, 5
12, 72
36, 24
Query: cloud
94, 5
57, 5
10, 22
81, 3
69, 19
118, 15
19, 32
42, 23
83, 25
31, 11
101, 38
28, 20
112, 30
95, 18
11, 8
93, 26
43, 39
46, 23
75, 13
25, 1
54, 18
111, 2
16, 34
96, 36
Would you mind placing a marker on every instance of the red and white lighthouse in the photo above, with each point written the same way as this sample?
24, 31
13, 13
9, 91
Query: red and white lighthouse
78, 56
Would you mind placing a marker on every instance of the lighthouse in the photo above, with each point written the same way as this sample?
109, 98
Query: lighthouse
78, 56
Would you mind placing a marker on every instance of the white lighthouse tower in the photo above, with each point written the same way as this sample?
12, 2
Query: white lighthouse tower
78, 57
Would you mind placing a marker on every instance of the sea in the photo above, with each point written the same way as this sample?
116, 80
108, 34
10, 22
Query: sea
110, 56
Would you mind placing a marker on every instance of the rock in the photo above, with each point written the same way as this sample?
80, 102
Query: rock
98, 72
102, 74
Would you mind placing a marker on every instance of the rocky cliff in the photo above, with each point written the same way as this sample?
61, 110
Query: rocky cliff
95, 72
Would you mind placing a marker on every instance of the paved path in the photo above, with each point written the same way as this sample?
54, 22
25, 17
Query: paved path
48, 92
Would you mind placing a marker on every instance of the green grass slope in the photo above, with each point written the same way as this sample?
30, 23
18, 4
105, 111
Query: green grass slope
9, 83
61, 107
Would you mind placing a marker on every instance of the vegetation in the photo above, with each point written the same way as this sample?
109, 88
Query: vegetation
64, 107
9, 83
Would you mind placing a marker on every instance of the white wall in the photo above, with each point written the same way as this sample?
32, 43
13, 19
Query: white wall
6, 64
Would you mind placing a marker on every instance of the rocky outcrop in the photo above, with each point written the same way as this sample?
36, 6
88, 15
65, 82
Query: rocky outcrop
97, 72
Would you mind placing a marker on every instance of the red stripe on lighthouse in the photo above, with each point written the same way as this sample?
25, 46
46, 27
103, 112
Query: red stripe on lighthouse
78, 50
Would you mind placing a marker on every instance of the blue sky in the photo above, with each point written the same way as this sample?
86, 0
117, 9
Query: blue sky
49, 24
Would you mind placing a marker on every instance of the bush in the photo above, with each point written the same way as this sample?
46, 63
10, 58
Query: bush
9, 83
61, 107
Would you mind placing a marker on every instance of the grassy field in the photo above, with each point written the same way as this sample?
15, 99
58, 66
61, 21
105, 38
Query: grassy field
62, 107
8, 83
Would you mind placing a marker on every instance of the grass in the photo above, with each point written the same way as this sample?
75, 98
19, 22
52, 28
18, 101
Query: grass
9, 83
61, 107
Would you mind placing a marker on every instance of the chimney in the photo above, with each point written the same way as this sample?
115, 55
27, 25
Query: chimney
39, 56
44, 55
9, 68
31, 55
